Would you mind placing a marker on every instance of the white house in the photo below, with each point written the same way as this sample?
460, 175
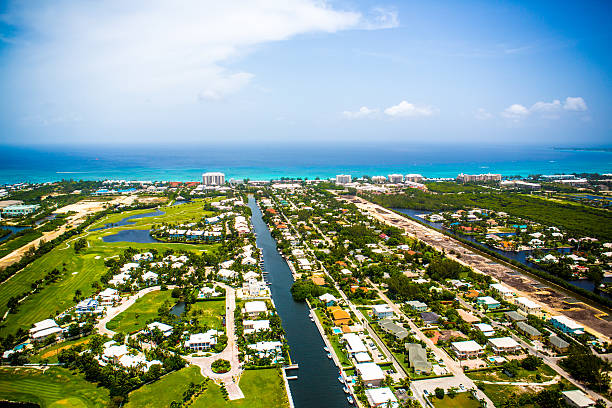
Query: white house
486, 329
202, 341
150, 277
44, 329
227, 274
503, 291
271, 349
164, 328
354, 345
528, 306
371, 374
382, 311
252, 326
466, 349
381, 397
108, 297
254, 308
504, 345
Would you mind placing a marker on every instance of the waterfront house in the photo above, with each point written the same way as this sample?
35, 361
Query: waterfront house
354, 344
371, 374
529, 331
328, 299
417, 305
255, 308
466, 349
528, 306
382, 311
340, 317
252, 326
381, 397
504, 345
417, 356
269, 349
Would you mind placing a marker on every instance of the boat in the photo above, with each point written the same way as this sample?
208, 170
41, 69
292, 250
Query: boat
312, 319
345, 389
326, 349
350, 399
329, 355
341, 379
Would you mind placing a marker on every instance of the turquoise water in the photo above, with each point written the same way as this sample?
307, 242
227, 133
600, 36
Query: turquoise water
269, 161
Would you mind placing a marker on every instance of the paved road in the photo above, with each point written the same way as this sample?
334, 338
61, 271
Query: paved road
230, 353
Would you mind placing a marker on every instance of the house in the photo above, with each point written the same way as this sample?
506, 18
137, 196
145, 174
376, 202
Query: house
466, 349
88, 305
164, 328
467, 316
119, 279
472, 293
486, 329
514, 316
529, 331
354, 344
382, 311
371, 374
504, 345
417, 356
577, 399
254, 288
503, 291
269, 349
201, 341
254, 308
226, 274
340, 317
150, 278
108, 297
388, 326
146, 256
417, 305
112, 352
430, 317
487, 302
328, 299
206, 293
381, 397
566, 325
558, 344
252, 326
44, 329
528, 306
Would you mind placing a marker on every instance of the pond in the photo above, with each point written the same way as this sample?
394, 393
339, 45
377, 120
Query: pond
12, 229
127, 220
178, 309
131, 235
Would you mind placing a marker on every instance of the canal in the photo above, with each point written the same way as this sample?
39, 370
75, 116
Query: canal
317, 384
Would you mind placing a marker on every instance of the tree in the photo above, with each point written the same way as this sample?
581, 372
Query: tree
439, 392
80, 244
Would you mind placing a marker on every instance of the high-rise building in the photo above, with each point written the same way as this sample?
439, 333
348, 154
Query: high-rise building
378, 179
395, 178
343, 178
416, 178
213, 179
467, 178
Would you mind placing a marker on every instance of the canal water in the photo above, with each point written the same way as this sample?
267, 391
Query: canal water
317, 384
520, 256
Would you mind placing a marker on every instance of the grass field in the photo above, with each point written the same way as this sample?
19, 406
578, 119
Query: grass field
501, 393
461, 400
12, 244
56, 387
544, 370
50, 353
145, 308
208, 312
89, 265
261, 388
167, 389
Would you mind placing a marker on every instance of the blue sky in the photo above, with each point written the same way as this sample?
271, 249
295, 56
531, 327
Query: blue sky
309, 71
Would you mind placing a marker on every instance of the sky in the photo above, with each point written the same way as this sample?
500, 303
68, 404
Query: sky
310, 71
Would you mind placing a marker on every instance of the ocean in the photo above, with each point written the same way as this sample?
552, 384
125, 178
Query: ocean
271, 161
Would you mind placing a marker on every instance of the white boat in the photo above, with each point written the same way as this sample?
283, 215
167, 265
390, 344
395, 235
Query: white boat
326, 349
329, 356
345, 389
341, 379
350, 399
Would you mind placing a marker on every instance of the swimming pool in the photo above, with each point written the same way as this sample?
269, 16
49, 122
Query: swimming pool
336, 330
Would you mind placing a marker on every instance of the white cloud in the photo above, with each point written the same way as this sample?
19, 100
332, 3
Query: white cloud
482, 114
363, 112
575, 104
131, 60
553, 106
405, 109
515, 111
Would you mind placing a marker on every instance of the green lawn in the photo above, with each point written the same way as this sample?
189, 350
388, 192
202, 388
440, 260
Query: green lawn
12, 244
208, 312
502, 393
89, 265
261, 388
461, 400
167, 389
136, 316
50, 353
56, 387
545, 371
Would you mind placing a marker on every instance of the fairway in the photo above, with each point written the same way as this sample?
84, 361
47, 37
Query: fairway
136, 316
88, 265
165, 390
261, 388
56, 387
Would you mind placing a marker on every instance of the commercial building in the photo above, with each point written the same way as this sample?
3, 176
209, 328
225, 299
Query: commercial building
371, 374
504, 345
379, 179
343, 178
566, 325
213, 179
466, 349
417, 356
19, 210
395, 178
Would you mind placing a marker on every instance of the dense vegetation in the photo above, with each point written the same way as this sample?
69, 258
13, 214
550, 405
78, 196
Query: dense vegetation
584, 366
304, 289
577, 220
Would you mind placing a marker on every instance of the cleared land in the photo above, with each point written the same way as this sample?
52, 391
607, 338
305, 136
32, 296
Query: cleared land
262, 389
136, 316
88, 265
56, 387
167, 389
462, 400
208, 313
